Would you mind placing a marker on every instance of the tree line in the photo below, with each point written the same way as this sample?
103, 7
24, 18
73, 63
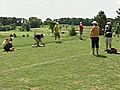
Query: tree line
10, 23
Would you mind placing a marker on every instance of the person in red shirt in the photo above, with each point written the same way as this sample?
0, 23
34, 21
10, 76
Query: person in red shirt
81, 30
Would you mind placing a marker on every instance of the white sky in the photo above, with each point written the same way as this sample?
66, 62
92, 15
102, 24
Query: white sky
58, 8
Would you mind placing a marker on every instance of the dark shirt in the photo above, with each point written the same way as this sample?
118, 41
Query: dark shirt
108, 31
39, 36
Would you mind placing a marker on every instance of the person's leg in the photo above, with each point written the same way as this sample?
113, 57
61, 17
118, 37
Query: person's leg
93, 45
11, 47
118, 35
55, 36
106, 43
36, 40
106, 46
40, 41
109, 42
80, 35
59, 37
110, 45
93, 50
97, 45
97, 51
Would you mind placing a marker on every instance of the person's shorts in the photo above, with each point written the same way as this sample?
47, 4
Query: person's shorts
108, 40
57, 34
95, 42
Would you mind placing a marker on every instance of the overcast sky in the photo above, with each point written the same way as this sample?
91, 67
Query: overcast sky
58, 8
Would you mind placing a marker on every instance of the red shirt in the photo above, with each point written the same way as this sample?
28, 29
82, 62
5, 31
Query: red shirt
81, 27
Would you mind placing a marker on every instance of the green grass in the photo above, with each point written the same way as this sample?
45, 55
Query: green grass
65, 66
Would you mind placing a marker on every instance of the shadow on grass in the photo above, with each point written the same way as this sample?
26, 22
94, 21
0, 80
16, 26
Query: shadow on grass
82, 39
101, 56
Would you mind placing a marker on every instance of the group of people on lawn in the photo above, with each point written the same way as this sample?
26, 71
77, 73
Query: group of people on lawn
94, 35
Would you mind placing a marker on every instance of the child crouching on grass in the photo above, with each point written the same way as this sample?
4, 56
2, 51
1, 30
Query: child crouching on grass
38, 40
7, 44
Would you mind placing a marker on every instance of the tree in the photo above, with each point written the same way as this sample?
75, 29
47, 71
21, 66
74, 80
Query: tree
72, 32
118, 17
46, 22
101, 19
51, 25
35, 22
26, 25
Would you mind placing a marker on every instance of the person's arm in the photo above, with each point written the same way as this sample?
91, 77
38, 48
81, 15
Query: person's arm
59, 29
3, 43
91, 31
54, 28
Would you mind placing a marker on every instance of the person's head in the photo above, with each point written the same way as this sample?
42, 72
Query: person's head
42, 36
108, 23
57, 23
80, 22
7, 39
94, 23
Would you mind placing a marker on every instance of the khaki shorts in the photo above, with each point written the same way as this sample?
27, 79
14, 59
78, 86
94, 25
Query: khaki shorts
108, 40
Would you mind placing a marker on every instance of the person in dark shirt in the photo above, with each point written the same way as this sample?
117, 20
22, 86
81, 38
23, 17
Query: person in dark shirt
38, 38
108, 35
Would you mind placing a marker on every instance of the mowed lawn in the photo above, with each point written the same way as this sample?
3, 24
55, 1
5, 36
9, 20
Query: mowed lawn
65, 66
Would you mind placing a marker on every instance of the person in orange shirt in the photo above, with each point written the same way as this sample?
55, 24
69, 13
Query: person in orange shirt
94, 34
81, 30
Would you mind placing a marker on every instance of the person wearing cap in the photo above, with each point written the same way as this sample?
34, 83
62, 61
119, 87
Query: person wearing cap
108, 35
117, 29
81, 30
57, 32
94, 35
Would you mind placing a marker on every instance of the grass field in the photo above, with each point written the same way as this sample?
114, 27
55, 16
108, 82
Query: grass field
65, 66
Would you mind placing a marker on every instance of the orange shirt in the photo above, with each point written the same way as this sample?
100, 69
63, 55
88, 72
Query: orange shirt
94, 32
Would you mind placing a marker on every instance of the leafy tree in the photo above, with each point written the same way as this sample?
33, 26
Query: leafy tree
118, 17
47, 21
72, 32
19, 21
75, 21
51, 25
26, 25
1, 24
35, 22
10, 20
101, 19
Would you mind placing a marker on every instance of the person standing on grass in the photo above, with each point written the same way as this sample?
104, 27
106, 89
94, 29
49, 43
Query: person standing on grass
57, 32
108, 35
81, 30
94, 35
117, 29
